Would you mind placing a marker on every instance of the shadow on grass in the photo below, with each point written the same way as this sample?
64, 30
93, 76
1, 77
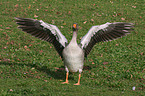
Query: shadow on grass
59, 73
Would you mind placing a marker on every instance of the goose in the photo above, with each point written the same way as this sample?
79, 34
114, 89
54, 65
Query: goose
73, 54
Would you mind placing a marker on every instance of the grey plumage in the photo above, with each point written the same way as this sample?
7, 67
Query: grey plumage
72, 53
105, 32
35, 28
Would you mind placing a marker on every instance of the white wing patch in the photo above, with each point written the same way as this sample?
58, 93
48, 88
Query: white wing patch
61, 38
86, 39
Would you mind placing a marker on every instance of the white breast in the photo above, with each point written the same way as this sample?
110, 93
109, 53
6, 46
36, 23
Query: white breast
73, 57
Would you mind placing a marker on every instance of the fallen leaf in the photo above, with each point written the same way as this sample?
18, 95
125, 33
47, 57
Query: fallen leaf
25, 47
29, 7
92, 20
91, 60
105, 63
141, 53
131, 76
64, 23
53, 22
134, 6
4, 33
123, 19
11, 89
127, 71
7, 27
117, 44
98, 14
118, 14
45, 80
87, 68
85, 22
114, 15
7, 43
30, 45
52, 10
16, 5
12, 42
33, 68
117, 61
41, 51
6, 59
57, 12
5, 47
69, 12
111, 2
28, 49
35, 16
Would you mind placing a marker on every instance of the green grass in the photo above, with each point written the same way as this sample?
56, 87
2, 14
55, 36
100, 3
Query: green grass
112, 68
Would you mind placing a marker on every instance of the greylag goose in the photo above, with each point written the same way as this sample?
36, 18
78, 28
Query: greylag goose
72, 53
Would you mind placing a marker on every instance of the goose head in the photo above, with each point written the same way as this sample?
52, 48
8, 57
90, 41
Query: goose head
75, 27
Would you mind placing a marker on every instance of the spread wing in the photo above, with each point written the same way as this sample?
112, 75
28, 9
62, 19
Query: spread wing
105, 32
43, 31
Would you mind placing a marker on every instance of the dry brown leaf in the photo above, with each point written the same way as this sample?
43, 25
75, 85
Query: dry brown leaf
105, 63
5, 47
117, 44
134, 6
91, 60
7, 27
41, 51
35, 16
92, 20
25, 47
85, 22
16, 5
45, 80
141, 53
140, 16
6, 59
57, 12
122, 18
64, 23
118, 14
12, 42
29, 7
11, 89
30, 45
69, 12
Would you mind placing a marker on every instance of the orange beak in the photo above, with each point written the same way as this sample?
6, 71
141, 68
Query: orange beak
74, 26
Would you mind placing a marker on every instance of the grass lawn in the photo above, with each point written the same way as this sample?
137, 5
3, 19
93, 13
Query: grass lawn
29, 66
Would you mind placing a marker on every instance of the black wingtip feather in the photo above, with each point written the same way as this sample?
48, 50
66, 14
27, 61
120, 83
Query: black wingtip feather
111, 32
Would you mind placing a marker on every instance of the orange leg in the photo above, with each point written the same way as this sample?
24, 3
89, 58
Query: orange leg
66, 82
78, 80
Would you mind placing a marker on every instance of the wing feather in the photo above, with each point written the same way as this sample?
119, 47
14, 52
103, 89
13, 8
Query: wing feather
43, 31
105, 32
